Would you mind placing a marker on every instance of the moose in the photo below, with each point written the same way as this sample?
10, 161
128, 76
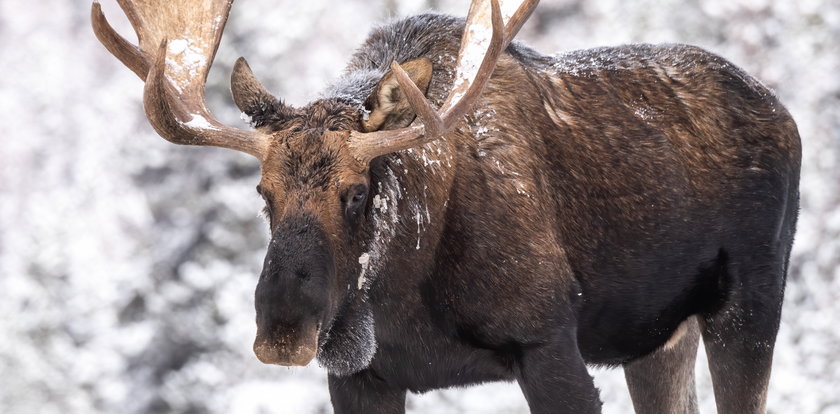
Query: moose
458, 209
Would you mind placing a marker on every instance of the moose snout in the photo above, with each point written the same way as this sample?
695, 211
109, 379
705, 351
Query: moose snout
291, 298
295, 346
288, 314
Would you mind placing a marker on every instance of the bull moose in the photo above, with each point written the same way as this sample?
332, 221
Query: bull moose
458, 209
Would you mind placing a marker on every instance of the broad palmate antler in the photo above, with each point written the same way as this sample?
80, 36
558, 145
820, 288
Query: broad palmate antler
178, 41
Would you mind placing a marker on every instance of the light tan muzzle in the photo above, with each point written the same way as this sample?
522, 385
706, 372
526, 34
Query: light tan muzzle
292, 347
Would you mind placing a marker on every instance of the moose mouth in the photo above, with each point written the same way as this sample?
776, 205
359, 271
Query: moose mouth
287, 347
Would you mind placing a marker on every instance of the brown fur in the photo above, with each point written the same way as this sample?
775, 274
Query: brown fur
581, 212
584, 209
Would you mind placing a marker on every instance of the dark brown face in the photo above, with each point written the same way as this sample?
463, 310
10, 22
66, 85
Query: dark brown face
316, 193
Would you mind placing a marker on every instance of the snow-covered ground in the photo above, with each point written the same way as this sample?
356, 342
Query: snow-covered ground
127, 264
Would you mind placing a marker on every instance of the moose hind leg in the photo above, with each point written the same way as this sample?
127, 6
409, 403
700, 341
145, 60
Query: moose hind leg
740, 336
663, 382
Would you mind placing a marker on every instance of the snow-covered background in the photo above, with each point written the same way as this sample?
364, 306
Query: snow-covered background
127, 264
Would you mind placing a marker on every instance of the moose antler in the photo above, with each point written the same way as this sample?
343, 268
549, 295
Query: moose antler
470, 80
178, 41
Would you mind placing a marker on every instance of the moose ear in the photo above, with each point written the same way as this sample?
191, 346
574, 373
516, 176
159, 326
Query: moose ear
253, 99
388, 106
248, 93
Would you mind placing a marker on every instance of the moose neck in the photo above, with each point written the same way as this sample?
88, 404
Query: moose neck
411, 192
414, 191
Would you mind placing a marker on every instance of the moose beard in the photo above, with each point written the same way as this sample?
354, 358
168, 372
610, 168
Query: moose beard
350, 344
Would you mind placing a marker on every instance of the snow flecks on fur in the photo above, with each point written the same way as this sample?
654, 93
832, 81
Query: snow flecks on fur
584, 63
351, 343
426, 203
419, 209
385, 219
419, 223
496, 151
246, 118
480, 124
435, 160
380, 202
521, 189
431, 156
364, 260
643, 110
353, 87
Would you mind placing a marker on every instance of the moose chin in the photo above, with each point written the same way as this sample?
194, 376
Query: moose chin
457, 209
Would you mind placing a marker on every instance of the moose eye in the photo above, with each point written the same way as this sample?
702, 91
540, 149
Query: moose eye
354, 195
359, 197
354, 202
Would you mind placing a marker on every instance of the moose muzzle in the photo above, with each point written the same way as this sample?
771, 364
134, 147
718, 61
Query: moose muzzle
287, 347
291, 298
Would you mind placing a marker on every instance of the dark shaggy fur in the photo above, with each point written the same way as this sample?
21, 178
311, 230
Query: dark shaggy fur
590, 204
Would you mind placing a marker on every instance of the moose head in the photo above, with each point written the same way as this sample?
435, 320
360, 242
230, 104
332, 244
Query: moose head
315, 159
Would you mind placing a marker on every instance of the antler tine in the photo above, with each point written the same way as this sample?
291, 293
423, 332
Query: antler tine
165, 113
519, 17
464, 94
469, 83
178, 40
130, 55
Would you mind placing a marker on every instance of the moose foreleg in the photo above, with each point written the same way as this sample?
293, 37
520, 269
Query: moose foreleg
364, 392
554, 378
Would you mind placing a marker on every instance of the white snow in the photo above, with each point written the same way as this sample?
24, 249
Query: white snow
178, 46
380, 202
385, 220
198, 121
419, 224
186, 59
129, 263
246, 118
364, 259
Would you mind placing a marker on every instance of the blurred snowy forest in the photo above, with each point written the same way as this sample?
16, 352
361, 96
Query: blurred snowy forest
128, 264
